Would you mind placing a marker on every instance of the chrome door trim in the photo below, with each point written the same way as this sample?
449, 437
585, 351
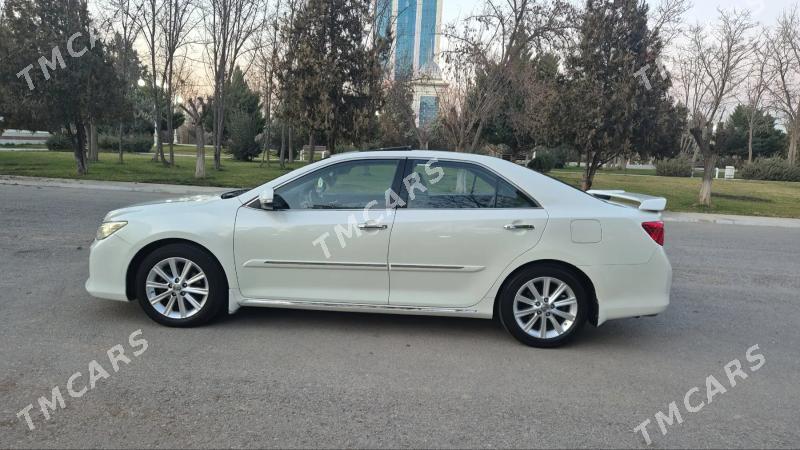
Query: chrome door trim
260, 263
358, 307
436, 267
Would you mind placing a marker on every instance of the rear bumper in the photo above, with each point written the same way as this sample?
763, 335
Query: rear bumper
632, 290
108, 265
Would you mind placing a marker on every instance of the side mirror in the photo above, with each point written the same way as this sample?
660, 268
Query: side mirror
267, 199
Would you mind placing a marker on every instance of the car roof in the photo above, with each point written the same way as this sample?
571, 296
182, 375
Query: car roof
417, 154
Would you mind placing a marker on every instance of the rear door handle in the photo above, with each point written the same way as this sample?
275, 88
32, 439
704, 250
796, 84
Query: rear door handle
372, 226
512, 227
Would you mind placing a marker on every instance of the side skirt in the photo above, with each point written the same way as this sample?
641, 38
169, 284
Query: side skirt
237, 301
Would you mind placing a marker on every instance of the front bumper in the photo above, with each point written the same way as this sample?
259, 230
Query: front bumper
632, 290
108, 266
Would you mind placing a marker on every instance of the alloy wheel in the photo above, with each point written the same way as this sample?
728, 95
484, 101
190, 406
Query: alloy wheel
545, 307
177, 288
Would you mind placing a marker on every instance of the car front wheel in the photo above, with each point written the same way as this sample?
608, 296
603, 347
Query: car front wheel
180, 285
544, 306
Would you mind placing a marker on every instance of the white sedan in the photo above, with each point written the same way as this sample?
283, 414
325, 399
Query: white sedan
398, 232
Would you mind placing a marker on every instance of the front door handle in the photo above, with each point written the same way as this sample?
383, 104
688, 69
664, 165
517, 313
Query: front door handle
512, 227
372, 226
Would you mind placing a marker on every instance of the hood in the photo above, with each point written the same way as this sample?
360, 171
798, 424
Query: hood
170, 203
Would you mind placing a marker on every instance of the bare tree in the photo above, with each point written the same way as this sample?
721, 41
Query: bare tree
463, 107
197, 108
230, 25
266, 60
716, 68
784, 60
759, 78
486, 46
128, 31
176, 23
147, 17
667, 19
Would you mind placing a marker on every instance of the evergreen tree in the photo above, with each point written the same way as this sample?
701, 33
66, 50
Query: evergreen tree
608, 110
244, 119
50, 81
767, 140
332, 71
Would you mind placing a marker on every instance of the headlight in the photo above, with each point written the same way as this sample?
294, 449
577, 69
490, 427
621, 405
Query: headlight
109, 228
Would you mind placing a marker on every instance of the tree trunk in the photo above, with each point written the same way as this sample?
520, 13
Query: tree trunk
170, 117
200, 139
79, 149
331, 145
709, 162
92, 150
219, 120
477, 139
702, 137
290, 148
156, 142
794, 134
310, 147
283, 146
120, 143
95, 143
588, 173
171, 134
750, 143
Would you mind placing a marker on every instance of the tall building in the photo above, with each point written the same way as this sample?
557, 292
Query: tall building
416, 26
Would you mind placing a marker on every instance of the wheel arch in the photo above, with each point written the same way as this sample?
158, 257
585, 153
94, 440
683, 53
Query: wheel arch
585, 281
133, 266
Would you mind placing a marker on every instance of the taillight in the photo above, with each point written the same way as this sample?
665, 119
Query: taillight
655, 230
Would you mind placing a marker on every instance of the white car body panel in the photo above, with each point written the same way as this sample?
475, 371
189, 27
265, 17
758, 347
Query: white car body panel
432, 262
450, 257
276, 257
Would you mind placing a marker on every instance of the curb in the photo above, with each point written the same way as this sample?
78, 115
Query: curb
123, 186
725, 219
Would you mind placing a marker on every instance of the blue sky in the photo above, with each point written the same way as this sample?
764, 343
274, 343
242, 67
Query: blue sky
764, 11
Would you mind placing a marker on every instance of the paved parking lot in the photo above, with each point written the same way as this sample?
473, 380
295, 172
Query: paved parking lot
279, 378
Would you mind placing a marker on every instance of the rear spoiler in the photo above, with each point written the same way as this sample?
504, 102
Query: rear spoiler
646, 202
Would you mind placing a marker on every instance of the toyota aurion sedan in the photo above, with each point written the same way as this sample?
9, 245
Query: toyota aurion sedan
398, 232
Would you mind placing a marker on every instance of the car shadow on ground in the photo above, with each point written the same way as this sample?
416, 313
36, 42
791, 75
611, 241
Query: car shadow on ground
624, 333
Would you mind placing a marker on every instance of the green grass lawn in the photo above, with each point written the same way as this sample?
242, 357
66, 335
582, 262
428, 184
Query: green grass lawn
610, 170
140, 168
752, 198
757, 198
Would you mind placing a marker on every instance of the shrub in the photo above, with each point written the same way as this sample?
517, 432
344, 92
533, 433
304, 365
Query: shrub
543, 163
771, 169
676, 167
59, 143
244, 129
136, 143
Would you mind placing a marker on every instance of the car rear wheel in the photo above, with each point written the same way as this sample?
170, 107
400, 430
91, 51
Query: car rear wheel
544, 306
180, 285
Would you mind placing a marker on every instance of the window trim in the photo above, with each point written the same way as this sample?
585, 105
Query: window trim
408, 169
397, 182
398, 186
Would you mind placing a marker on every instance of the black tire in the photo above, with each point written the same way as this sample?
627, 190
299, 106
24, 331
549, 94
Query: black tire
540, 272
216, 285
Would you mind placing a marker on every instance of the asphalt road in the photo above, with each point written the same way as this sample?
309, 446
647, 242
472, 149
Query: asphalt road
280, 378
